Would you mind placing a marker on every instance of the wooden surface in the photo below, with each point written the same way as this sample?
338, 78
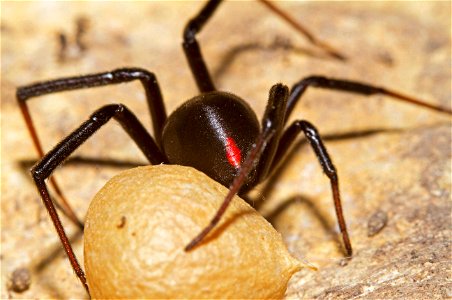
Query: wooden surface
403, 171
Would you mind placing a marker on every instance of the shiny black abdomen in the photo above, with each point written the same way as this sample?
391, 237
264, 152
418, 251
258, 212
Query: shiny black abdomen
212, 132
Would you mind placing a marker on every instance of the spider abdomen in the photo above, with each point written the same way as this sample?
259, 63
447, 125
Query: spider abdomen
211, 132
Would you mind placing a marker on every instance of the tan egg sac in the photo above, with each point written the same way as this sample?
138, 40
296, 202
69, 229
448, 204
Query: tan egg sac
139, 223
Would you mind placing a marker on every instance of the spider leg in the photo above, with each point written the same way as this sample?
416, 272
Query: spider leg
153, 96
147, 79
316, 143
57, 155
273, 119
298, 27
355, 87
193, 51
271, 124
239, 180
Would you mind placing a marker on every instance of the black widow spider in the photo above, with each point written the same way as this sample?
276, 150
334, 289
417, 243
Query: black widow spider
215, 132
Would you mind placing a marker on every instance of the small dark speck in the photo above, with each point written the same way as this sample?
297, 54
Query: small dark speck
385, 58
280, 42
435, 42
134, 233
82, 26
20, 280
121, 223
4, 27
376, 223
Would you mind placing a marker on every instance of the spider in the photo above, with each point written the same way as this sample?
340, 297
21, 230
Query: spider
215, 132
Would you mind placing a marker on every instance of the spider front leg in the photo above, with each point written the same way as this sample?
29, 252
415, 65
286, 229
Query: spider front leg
326, 163
148, 80
354, 87
57, 155
153, 96
315, 140
274, 119
193, 51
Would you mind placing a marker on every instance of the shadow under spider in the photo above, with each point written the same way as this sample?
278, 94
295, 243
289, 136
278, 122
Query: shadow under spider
298, 199
274, 177
25, 165
268, 186
56, 251
278, 43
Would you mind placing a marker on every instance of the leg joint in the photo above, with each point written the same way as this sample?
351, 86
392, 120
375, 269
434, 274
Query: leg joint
190, 31
128, 74
105, 113
36, 173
